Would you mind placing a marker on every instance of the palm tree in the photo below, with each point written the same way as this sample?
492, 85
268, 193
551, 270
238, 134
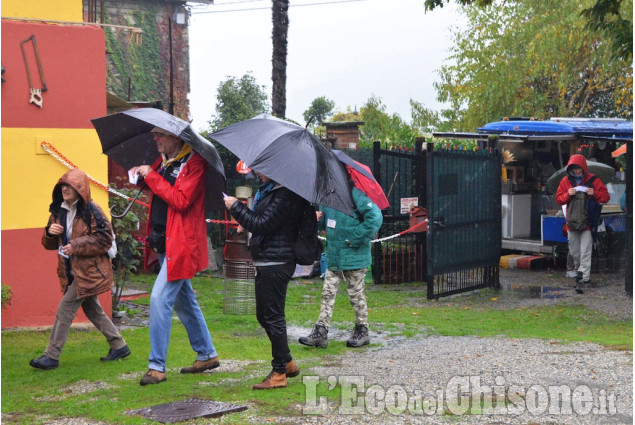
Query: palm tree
280, 18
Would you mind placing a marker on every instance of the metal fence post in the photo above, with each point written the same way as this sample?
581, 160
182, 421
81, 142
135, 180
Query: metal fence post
377, 247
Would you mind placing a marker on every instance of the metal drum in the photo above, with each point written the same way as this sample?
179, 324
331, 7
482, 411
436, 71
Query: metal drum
239, 296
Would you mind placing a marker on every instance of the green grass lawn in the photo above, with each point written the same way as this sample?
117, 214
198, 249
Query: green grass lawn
29, 396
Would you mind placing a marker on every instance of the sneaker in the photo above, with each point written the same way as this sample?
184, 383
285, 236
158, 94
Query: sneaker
359, 338
572, 274
44, 362
116, 354
202, 365
317, 338
273, 380
153, 377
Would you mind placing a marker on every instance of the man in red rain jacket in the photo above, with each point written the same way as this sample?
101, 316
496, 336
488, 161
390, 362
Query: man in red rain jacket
581, 241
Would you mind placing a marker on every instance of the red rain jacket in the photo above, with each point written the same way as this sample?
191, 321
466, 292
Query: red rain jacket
186, 231
600, 193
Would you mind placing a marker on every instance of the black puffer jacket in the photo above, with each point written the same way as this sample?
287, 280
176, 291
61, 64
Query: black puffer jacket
274, 224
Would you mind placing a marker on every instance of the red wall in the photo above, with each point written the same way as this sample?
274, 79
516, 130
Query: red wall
33, 280
74, 65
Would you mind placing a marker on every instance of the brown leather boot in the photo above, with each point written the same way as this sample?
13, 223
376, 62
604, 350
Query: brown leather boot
273, 380
201, 366
153, 377
292, 369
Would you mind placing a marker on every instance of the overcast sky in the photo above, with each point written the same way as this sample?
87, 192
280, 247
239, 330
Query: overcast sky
345, 50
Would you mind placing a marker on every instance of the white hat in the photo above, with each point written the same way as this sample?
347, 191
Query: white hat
163, 131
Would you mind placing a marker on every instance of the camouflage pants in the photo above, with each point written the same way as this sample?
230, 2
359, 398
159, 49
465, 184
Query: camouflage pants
355, 288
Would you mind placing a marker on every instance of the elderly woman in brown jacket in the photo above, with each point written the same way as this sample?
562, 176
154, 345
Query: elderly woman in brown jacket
81, 233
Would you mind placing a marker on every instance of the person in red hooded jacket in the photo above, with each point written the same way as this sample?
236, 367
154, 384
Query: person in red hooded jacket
177, 233
581, 242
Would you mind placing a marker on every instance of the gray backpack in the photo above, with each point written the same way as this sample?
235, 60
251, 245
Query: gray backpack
577, 218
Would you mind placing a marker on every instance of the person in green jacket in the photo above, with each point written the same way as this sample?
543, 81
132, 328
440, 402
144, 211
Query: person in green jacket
348, 256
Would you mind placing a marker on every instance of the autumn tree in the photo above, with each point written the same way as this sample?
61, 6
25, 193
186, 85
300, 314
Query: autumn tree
528, 58
615, 17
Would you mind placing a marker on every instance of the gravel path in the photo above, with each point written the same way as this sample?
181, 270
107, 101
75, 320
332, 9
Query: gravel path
404, 381
400, 381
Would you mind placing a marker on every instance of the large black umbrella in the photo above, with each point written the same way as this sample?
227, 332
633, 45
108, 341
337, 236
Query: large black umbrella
604, 172
291, 156
126, 138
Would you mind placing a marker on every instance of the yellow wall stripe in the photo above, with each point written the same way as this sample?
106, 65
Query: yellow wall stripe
29, 173
58, 10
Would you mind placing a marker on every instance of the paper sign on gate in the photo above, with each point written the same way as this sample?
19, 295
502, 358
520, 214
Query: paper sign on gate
406, 203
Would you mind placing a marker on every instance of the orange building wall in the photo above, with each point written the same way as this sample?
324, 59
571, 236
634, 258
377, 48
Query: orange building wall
73, 61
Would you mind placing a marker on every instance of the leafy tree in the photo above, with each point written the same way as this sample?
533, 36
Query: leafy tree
433, 4
379, 125
238, 100
611, 17
320, 109
280, 18
348, 115
528, 58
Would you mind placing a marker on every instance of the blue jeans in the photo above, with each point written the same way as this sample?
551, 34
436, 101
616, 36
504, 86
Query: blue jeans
180, 295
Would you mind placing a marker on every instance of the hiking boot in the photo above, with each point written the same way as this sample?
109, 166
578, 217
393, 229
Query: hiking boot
153, 377
360, 337
202, 365
572, 274
273, 380
116, 354
44, 362
579, 283
292, 369
317, 338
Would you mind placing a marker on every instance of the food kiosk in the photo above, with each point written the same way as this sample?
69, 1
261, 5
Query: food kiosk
537, 151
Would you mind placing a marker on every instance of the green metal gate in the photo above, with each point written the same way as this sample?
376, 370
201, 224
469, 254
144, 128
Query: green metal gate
463, 199
461, 191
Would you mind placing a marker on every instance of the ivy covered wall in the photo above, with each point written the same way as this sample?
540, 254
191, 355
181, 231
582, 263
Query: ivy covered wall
141, 71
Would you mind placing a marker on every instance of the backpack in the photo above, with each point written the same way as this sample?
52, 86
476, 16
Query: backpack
112, 251
582, 212
307, 247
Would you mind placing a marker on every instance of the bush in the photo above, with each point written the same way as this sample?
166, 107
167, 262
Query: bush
128, 256
7, 294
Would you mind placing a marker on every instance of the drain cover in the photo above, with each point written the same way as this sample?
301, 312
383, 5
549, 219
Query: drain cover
184, 410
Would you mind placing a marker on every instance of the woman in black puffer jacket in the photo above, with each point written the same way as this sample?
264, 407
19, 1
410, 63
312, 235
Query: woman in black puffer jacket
274, 226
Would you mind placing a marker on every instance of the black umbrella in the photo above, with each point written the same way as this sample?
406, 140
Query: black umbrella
291, 156
126, 138
604, 172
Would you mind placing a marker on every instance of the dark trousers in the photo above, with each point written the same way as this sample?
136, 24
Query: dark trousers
271, 293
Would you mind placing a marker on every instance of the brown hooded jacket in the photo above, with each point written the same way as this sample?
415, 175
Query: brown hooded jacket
91, 238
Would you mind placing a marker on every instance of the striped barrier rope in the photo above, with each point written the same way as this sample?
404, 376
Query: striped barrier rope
50, 149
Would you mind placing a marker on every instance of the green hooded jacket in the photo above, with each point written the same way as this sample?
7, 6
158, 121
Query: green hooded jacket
348, 238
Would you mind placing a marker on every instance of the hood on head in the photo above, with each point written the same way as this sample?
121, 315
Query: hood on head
578, 160
76, 179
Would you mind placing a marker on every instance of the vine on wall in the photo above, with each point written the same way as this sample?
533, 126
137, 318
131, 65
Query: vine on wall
146, 65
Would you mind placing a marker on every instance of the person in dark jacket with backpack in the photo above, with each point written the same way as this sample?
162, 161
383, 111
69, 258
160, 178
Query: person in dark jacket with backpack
348, 255
274, 225
578, 179
81, 234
